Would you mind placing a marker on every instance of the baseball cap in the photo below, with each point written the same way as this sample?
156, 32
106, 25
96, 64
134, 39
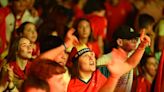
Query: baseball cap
125, 32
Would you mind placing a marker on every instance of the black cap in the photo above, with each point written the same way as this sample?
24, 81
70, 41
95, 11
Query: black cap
125, 32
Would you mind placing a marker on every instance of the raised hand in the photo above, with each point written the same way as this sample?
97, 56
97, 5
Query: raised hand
10, 73
145, 40
118, 67
70, 39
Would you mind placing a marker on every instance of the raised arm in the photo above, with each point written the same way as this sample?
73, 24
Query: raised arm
117, 68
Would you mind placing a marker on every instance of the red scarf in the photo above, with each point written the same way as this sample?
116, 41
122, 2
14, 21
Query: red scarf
16, 69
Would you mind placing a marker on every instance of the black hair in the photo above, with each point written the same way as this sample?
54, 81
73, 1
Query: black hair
144, 20
145, 57
50, 42
13, 48
93, 5
20, 30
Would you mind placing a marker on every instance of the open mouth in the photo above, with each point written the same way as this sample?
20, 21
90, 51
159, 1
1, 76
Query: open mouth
61, 63
29, 51
91, 63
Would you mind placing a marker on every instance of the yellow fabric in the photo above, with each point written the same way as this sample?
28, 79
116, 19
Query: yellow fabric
161, 28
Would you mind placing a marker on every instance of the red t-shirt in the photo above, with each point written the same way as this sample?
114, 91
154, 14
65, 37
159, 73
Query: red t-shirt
18, 72
98, 25
94, 47
78, 13
3, 13
93, 85
141, 85
36, 51
116, 16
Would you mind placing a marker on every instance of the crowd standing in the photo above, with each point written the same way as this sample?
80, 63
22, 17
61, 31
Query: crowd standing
81, 45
